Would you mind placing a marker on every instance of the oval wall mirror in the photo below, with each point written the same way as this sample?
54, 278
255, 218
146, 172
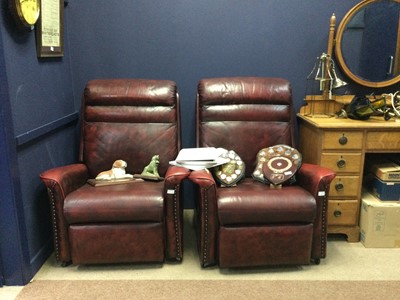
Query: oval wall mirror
368, 43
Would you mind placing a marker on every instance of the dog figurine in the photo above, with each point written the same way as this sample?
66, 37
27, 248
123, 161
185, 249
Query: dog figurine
117, 172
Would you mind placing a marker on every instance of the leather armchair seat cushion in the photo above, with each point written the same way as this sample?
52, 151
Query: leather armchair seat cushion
137, 201
252, 202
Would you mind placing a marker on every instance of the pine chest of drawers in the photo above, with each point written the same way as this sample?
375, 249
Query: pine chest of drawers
341, 145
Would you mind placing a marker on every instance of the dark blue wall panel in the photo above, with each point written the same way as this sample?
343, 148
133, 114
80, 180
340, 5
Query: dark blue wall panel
36, 93
14, 255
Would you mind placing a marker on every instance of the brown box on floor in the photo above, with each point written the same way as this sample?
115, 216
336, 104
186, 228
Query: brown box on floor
379, 222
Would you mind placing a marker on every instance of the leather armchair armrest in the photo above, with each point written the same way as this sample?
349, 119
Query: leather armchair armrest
315, 179
66, 178
60, 182
203, 178
207, 218
175, 175
174, 211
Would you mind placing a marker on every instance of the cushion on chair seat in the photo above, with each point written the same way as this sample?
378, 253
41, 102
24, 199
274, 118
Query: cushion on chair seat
252, 202
138, 201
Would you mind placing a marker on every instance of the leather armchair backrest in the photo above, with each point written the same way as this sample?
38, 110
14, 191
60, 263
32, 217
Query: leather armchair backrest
244, 114
129, 119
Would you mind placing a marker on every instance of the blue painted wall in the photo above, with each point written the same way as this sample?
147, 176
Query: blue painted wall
186, 40
33, 93
182, 40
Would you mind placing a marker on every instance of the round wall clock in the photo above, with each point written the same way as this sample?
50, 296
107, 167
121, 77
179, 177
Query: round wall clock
25, 12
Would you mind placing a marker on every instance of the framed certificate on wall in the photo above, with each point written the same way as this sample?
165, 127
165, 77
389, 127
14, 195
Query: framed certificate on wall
50, 29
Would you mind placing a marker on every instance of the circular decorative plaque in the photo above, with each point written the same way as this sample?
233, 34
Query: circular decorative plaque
231, 172
277, 164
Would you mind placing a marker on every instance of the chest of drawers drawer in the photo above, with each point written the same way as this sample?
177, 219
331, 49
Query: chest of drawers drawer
342, 140
345, 187
378, 140
343, 212
342, 161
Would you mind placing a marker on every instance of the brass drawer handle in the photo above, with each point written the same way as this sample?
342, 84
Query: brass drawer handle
343, 140
339, 187
337, 213
341, 163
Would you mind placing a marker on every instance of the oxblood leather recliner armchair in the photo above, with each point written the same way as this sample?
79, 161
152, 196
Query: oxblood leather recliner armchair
252, 224
129, 119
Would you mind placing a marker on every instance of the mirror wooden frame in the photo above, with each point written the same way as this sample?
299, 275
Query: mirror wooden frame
339, 54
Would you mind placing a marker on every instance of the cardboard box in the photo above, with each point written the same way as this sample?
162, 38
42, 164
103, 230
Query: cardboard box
385, 190
388, 171
379, 223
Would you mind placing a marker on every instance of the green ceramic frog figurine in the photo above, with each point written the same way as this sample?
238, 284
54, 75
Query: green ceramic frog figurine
151, 170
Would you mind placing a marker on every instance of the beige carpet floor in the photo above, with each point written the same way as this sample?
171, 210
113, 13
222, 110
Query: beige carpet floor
209, 289
349, 267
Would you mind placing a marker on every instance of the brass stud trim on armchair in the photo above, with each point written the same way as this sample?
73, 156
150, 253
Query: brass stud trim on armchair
176, 226
324, 222
205, 252
54, 223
